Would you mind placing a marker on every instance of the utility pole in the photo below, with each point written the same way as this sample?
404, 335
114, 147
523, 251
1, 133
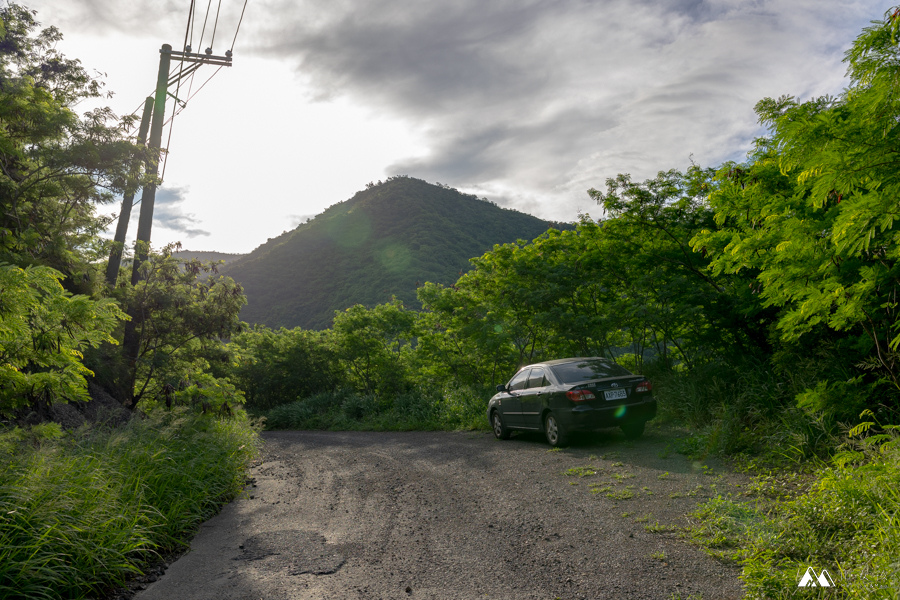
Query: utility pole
115, 255
148, 197
131, 341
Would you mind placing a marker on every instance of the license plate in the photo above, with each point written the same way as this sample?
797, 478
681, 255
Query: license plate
615, 394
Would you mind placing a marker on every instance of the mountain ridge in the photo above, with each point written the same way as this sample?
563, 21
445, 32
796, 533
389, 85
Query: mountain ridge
382, 242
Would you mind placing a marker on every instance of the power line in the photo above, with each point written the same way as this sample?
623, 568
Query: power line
216, 25
198, 90
176, 112
239, 24
205, 19
187, 30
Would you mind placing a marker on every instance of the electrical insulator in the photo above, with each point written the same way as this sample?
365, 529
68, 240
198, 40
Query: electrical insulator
209, 50
187, 49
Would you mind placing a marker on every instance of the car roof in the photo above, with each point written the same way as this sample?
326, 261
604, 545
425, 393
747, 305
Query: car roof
561, 361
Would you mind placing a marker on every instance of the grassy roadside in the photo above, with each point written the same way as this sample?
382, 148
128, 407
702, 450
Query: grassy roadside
844, 517
81, 511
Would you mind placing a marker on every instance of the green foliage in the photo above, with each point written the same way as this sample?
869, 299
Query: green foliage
666, 297
181, 308
80, 513
630, 286
846, 520
417, 409
373, 345
56, 166
43, 332
812, 216
279, 367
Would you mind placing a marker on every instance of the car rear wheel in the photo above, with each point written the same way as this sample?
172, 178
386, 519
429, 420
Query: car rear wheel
500, 430
555, 433
633, 430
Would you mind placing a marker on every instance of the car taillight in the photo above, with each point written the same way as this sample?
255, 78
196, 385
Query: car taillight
644, 386
579, 395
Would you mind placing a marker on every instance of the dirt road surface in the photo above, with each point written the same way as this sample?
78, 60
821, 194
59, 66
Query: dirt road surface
457, 515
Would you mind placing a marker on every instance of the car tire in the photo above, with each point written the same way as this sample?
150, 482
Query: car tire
633, 430
500, 430
556, 435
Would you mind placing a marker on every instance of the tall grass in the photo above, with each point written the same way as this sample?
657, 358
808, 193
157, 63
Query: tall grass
845, 518
82, 512
743, 408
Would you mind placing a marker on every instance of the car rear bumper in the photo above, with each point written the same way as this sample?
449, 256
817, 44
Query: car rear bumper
587, 418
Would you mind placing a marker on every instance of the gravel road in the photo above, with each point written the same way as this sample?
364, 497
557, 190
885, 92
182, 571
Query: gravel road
456, 515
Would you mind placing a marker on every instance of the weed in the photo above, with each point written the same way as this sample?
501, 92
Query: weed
660, 556
622, 476
580, 472
659, 528
848, 515
663, 475
620, 494
600, 488
556, 449
647, 490
642, 519
625, 515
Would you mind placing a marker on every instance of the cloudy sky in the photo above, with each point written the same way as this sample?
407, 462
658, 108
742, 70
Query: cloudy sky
526, 102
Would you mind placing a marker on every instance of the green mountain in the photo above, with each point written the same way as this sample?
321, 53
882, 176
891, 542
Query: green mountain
386, 240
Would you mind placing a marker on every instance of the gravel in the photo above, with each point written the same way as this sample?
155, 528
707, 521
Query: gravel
458, 515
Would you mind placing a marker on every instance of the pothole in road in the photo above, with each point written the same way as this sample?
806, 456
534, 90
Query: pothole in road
292, 551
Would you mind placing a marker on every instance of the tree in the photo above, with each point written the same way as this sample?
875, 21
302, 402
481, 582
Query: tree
667, 298
44, 331
813, 215
54, 166
373, 343
278, 367
182, 307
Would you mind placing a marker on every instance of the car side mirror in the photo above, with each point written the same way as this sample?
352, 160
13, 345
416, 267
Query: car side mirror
501, 387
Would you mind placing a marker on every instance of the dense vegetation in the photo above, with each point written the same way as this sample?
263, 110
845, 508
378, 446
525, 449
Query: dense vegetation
82, 509
760, 297
385, 241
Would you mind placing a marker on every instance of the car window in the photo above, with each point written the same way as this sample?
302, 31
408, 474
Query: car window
518, 382
588, 369
537, 378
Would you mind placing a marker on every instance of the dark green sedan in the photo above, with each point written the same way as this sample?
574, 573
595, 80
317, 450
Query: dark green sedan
558, 397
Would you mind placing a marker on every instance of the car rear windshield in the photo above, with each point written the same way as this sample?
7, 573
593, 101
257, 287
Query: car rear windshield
574, 372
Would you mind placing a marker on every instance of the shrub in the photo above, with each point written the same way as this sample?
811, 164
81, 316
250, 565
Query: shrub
81, 512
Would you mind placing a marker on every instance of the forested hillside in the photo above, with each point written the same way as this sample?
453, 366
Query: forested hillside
385, 241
